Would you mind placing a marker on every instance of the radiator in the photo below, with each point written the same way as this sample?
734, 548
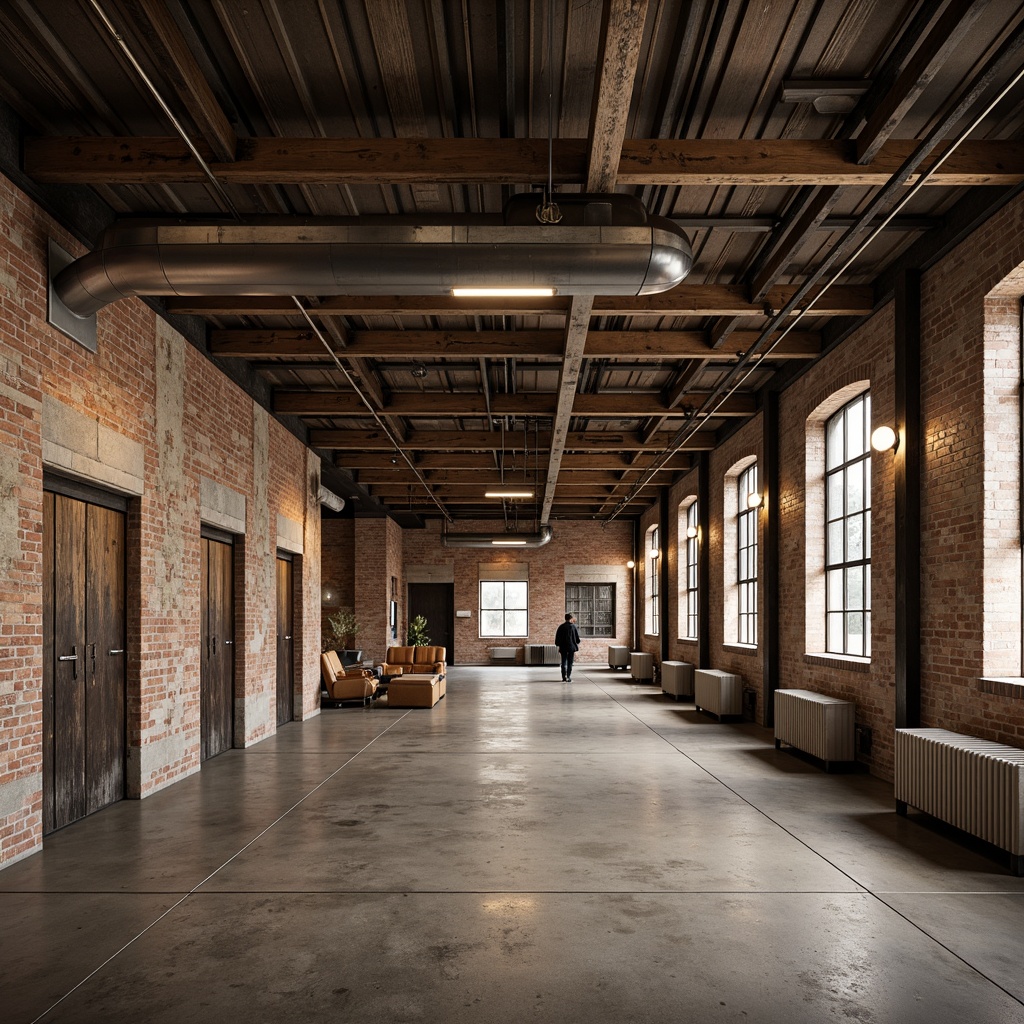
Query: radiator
974, 785
618, 657
641, 665
818, 725
541, 654
719, 692
677, 678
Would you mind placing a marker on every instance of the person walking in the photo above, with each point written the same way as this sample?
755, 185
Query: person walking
567, 640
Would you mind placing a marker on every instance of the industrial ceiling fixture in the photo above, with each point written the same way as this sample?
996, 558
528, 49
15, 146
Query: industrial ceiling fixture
603, 245
496, 540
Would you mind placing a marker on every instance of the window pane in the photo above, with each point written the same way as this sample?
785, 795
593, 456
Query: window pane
854, 488
854, 538
867, 634
834, 441
492, 594
855, 587
835, 632
835, 590
867, 586
855, 633
492, 623
834, 553
834, 504
867, 535
854, 430
515, 595
515, 623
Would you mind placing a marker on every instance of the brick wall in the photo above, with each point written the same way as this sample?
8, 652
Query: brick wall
150, 390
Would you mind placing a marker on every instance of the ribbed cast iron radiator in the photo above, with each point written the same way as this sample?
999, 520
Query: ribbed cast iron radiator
974, 785
819, 725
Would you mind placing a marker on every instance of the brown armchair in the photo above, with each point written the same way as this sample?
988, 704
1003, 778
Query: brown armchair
352, 683
415, 660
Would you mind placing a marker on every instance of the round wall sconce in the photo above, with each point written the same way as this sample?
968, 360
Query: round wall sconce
884, 439
655, 553
754, 500
630, 564
329, 596
691, 532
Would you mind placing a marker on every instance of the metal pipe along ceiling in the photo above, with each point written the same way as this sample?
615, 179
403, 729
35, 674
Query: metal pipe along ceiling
326, 258
492, 540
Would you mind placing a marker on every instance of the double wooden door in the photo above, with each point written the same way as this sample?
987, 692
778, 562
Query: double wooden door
84, 695
285, 642
217, 660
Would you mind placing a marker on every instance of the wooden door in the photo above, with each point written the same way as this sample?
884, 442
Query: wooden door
285, 645
217, 636
436, 603
84, 658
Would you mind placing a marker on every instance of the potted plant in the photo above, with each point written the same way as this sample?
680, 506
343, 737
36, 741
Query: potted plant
339, 634
417, 634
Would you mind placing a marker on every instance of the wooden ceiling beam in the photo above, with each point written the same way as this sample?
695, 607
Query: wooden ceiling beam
428, 461
627, 345
589, 441
127, 160
683, 300
444, 404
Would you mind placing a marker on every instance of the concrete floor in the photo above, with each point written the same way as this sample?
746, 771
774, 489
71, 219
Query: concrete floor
526, 850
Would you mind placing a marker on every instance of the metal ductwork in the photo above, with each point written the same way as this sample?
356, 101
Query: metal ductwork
495, 540
603, 245
331, 500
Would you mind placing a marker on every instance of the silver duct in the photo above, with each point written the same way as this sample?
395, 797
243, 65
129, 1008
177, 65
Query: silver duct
334, 257
331, 500
496, 540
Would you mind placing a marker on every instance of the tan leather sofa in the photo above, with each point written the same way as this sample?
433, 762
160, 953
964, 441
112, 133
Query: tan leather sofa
352, 683
422, 660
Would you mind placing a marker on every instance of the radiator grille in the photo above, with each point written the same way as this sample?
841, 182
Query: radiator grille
975, 785
718, 692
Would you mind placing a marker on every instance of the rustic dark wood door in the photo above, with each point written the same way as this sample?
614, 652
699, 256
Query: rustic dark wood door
285, 644
217, 661
84, 658
436, 603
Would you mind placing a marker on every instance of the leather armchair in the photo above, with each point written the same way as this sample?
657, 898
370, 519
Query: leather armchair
352, 683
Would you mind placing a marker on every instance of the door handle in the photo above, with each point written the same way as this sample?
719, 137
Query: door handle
68, 657
228, 643
116, 650
73, 658
288, 637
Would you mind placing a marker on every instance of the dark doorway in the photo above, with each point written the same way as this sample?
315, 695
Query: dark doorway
84, 694
217, 660
285, 646
436, 603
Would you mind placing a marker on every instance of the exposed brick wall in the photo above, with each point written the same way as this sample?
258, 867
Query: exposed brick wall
152, 389
571, 544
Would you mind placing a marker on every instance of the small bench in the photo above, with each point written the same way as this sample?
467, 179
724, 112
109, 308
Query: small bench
718, 692
818, 725
415, 691
677, 678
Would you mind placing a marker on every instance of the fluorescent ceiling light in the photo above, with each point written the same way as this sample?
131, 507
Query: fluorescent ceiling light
485, 293
508, 543
508, 494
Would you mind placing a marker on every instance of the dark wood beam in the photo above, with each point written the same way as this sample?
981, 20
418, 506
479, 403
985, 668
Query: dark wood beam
683, 300
485, 440
416, 344
101, 160
437, 405
514, 462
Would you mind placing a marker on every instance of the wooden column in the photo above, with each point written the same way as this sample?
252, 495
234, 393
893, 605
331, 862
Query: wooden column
908, 499
769, 591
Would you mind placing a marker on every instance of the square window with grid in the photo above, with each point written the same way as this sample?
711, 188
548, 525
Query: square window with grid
848, 529
504, 609
593, 604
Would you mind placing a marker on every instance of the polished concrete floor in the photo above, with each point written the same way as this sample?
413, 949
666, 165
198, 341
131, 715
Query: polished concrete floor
527, 850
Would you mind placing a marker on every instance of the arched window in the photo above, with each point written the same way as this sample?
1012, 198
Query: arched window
689, 581
746, 555
848, 529
651, 558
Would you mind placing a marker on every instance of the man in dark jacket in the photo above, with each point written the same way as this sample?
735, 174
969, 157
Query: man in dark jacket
567, 640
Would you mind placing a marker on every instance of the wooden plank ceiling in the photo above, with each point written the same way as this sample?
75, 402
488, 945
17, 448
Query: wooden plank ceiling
765, 130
